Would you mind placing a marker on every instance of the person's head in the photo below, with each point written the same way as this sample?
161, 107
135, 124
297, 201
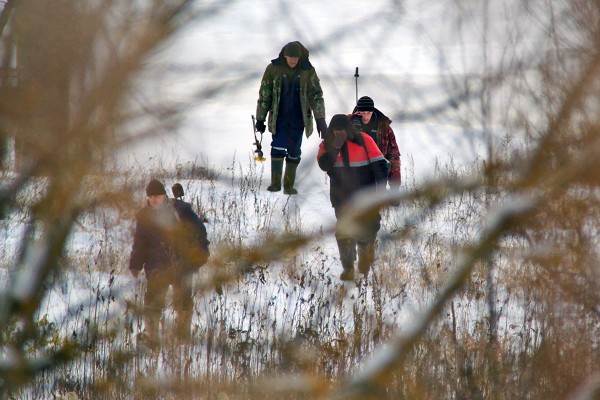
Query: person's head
365, 107
156, 193
341, 125
292, 52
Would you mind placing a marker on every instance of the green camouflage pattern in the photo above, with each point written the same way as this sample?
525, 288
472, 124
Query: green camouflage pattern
311, 96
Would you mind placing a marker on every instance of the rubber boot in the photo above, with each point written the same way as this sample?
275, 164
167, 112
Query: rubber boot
289, 178
347, 248
276, 169
366, 255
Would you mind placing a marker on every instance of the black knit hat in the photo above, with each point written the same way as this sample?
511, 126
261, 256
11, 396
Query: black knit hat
155, 188
365, 103
292, 49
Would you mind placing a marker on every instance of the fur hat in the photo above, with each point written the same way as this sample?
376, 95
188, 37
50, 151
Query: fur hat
292, 49
365, 103
155, 188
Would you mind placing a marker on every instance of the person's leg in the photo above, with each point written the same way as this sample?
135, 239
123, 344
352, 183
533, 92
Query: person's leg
154, 302
278, 154
291, 165
347, 249
366, 256
276, 173
183, 304
295, 132
366, 244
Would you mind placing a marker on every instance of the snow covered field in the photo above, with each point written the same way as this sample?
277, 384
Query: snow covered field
407, 62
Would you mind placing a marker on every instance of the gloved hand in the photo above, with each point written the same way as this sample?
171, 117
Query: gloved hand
260, 126
335, 140
321, 127
357, 121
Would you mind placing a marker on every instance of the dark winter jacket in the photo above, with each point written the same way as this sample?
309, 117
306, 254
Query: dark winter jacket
304, 78
172, 236
379, 128
357, 165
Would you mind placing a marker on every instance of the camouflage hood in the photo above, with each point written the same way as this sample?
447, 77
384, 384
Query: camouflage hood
304, 63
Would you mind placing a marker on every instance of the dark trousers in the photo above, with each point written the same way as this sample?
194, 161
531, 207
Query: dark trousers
155, 300
364, 240
287, 140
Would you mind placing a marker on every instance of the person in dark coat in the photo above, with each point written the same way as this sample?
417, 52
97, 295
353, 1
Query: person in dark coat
290, 94
169, 244
353, 163
376, 124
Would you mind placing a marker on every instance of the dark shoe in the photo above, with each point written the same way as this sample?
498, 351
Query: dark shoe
290, 177
276, 170
347, 275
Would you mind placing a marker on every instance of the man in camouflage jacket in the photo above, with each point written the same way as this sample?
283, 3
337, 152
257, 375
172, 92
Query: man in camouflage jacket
290, 95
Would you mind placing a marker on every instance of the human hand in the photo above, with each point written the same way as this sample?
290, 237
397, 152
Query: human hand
321, 127
260, 126
335, 140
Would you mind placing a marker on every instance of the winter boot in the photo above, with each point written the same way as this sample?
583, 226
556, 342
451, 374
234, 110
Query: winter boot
366, 255
348, 274
276, 168
347, 248
289, 178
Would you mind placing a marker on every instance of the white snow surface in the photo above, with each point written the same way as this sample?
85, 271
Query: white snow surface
391, 45
395, 45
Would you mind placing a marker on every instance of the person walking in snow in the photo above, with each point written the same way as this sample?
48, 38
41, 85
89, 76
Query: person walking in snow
370, 120
290, 94
353, 163
169, 244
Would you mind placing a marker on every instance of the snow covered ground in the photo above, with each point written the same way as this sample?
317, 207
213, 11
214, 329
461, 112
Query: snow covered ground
219, 63
398, 69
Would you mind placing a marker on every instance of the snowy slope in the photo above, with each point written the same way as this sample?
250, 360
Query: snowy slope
214, 70
220, 63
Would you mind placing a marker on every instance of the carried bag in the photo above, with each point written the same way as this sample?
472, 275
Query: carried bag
190, 239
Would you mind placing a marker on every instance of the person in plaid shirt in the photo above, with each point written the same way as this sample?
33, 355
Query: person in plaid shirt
374, 123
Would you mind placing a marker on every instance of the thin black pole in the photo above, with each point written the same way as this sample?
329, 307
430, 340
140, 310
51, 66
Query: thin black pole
356, 76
